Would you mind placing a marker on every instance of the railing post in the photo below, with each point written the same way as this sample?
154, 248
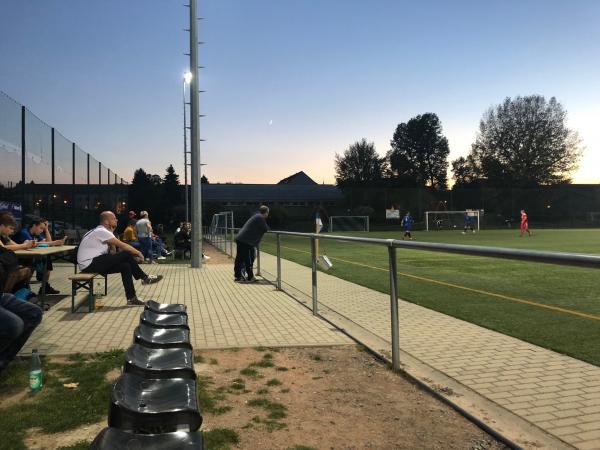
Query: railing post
278, 261
232, 234
313, 245
258, 260
394, 307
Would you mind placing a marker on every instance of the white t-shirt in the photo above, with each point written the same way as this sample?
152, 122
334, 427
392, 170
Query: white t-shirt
93, 244
142, 228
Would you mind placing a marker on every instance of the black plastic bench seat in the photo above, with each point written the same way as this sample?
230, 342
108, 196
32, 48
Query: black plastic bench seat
160, 362
161, 337
157, 320
166, 308
145, 406
115, 439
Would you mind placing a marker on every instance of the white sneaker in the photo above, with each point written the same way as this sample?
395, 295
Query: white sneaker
205, 258
160, 258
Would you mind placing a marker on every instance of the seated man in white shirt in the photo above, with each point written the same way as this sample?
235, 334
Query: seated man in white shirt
93, 256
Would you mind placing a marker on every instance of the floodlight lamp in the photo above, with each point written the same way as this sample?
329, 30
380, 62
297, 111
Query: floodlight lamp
187, 77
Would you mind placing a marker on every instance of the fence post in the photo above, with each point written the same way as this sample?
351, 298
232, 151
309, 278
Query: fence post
313, 245
258, 260
278, 262
394, 307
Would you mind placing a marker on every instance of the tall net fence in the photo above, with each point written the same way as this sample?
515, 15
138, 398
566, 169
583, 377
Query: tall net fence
45, 174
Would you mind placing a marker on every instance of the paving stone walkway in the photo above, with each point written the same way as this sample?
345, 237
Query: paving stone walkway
221, 313
557, 393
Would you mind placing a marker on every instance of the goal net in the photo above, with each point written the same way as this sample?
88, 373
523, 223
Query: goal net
348, 223
451, 220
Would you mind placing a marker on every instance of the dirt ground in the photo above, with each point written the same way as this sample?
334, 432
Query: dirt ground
334, 398
337, 398
216, 256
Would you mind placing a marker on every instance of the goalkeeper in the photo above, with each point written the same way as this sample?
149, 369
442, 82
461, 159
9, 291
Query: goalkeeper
468, 224
407, 224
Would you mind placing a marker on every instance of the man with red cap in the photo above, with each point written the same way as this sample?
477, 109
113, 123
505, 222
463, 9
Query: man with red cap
124, 219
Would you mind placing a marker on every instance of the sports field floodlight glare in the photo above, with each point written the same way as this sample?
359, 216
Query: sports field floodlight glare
187, 77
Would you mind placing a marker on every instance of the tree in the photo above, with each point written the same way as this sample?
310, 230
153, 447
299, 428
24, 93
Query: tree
204, 180
138, 191
171, 187
359, 164
522, 142
420, 152
140, 177
464, 175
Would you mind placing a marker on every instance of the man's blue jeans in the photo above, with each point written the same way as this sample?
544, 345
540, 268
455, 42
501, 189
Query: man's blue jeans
18, 319
146, 243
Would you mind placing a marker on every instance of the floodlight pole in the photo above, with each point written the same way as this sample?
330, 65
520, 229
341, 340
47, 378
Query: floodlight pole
195, 141
185, 158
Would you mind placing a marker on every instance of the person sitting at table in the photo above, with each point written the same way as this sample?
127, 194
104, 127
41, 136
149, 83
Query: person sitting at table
36, 231
45, 236
130, 235
7, 228
18, 319
12, 276
93, 257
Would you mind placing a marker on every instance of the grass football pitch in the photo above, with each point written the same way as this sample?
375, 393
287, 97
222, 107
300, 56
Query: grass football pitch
556, 307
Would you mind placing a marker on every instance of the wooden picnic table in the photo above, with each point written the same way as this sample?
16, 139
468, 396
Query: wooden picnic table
44, 254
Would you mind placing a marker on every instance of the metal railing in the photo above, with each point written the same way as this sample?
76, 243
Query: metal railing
570, 259
222, 238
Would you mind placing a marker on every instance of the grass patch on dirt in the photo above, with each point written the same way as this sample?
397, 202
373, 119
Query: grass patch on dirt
56, 409
209, 399
250, 372
276, 410
81, 445
264, 363
220, 438
238, 384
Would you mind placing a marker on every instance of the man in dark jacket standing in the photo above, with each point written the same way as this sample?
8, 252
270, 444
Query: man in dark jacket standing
246, 240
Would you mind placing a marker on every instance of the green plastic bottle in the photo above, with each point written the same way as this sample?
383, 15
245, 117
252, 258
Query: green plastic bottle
35, 372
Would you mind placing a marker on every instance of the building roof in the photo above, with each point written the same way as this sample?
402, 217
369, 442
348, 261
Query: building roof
299, 178
271, 193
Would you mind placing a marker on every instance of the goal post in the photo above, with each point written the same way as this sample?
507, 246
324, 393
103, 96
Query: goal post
348, 223
448, 220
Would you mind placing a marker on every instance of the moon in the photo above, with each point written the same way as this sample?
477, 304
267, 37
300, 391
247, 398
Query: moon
270, 122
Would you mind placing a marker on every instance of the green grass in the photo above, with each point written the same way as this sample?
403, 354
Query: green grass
238, 384
209, 399
220, 438
265, 362
276, 410
56, 409
425, 277
80, 445
249, 372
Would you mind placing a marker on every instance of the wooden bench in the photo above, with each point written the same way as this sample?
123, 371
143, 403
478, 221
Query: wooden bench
85, 281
